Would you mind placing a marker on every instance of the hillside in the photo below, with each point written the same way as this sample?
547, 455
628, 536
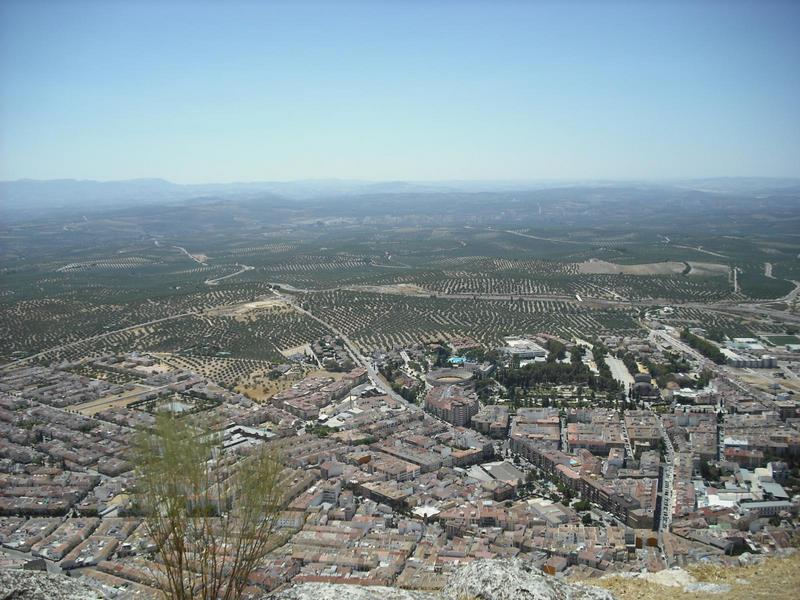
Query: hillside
773, 578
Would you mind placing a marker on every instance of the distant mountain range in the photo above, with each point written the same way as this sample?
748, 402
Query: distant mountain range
35, 195
53, 193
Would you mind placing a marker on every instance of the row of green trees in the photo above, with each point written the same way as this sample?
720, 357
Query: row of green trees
553, 373
706, 348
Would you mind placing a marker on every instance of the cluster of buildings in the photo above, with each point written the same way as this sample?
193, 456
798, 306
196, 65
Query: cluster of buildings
454, 403
748, 353
331, 354
381, 491
520, 350
492, 420
305, 398
92, 385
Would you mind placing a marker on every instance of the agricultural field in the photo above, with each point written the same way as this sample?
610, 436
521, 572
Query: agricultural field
227, 372
718, 325
197, 278
376, 321
262, 336
781, 340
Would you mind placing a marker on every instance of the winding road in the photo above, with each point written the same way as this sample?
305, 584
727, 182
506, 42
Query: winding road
190, 255
242, 269
375, 377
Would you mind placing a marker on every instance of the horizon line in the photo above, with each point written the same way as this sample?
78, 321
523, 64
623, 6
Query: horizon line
410, 180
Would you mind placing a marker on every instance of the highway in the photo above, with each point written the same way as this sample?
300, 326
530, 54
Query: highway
242, 269
190, 255
665, 338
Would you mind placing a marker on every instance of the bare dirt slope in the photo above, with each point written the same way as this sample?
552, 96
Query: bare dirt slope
596, 266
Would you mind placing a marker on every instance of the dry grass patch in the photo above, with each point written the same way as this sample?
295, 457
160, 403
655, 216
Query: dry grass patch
774, 579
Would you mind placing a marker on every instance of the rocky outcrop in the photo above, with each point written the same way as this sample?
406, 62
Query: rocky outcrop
514, 580
330, 591
479, 580
16, 584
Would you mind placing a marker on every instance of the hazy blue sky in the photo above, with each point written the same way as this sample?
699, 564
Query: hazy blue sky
225, 91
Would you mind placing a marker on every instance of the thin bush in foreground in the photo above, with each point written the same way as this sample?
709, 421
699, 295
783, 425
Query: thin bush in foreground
211, 514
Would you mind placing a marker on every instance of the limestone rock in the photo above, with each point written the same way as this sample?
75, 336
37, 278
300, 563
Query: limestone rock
514, 580
479, 580
330, 591
35, 585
